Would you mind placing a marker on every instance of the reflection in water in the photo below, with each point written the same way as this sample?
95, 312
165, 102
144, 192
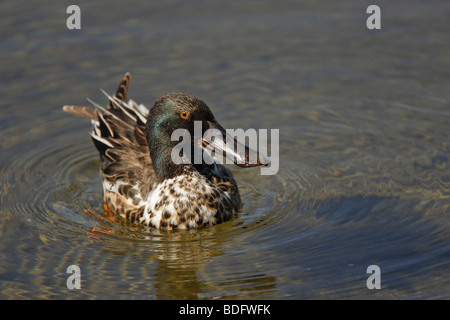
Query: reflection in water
180, 273
174, 266
182, 260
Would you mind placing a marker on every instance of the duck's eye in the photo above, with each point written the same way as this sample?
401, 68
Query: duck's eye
184, 115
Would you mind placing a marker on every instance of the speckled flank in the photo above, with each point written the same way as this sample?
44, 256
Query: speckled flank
186, 202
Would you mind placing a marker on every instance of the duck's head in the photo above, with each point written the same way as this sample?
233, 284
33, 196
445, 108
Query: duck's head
181, 111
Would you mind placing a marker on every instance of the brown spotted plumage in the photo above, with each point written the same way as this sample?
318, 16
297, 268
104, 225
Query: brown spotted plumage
140, 182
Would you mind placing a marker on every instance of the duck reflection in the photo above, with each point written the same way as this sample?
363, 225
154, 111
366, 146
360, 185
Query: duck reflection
187, 265
187, 269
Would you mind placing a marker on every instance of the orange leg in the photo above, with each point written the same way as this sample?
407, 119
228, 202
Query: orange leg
106, 207
97, 230
111, 216
92, 234
96, 215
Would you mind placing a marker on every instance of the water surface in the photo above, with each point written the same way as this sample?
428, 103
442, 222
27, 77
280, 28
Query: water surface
364, 146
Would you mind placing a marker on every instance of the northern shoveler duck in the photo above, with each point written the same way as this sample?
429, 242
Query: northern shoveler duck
141, 183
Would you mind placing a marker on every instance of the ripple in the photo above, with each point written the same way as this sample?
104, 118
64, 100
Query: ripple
48, 180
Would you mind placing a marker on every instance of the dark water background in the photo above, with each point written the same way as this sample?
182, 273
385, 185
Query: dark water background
363, 116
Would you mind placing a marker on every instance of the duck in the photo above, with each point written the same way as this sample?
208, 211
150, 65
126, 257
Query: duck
142, 183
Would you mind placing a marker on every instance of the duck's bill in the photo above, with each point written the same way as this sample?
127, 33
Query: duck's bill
217, 140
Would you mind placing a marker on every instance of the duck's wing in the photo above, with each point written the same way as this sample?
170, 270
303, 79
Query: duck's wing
119, 135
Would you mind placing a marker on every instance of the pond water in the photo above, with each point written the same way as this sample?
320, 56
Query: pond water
364, 176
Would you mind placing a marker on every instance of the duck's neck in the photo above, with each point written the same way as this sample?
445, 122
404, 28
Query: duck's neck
166, 168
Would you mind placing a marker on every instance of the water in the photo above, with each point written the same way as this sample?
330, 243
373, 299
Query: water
364, 138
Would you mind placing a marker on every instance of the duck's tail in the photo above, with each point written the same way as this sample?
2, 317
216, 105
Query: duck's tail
118, 120
121, 95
